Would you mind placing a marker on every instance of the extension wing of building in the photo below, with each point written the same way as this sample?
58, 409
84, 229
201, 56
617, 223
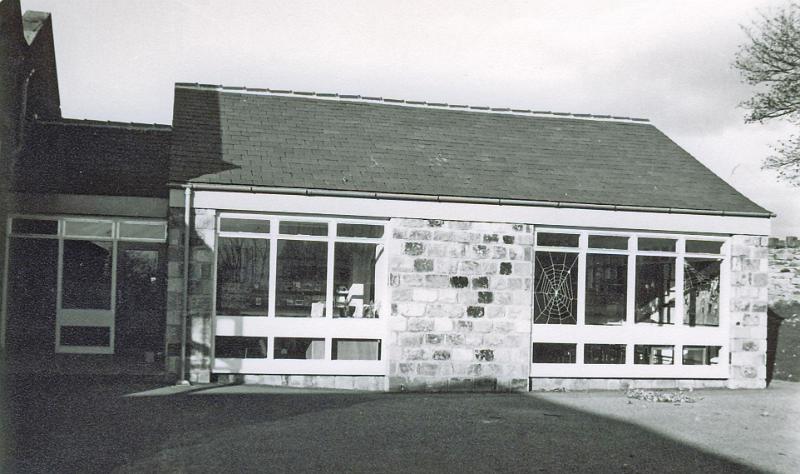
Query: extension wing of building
372, 243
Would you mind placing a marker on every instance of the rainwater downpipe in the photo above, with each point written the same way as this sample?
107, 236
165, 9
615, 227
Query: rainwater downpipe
187, 221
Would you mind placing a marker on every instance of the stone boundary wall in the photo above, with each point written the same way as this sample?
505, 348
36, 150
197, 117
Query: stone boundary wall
748, 311
784, 276
572, 384
461, 299
373, 383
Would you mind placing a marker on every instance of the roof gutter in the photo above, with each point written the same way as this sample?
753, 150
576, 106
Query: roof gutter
457, 199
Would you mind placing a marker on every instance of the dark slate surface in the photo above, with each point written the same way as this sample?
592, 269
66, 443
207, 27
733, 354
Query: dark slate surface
248, 139
84, 157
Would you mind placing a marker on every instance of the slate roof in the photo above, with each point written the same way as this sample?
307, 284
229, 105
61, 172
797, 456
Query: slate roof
234, 136
90, 157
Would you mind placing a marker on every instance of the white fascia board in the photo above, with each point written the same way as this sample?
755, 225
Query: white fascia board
549, 216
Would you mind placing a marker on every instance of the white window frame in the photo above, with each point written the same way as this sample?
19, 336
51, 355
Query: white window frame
327, 328
629, 332
75, 317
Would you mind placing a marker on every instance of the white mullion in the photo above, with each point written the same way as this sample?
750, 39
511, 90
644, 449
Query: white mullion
273, 269
329, 286
112, 339
582, 244
679, 282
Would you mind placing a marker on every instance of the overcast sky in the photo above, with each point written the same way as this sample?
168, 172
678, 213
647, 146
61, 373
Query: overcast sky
668, 61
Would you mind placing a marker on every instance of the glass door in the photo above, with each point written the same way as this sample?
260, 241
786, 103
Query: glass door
85, 319
140, 300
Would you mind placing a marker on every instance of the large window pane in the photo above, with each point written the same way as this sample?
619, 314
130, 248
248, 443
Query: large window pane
556, 288
606, 289
553, 353
299, 348
86, 275
604, 353
701, 291
354, 280
653, 355
239, 347
356, 349
655, 289
301, 278
242, 277
701, 355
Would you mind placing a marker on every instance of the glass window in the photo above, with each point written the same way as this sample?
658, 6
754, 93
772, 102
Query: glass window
359, 230
703, 246
79, 228
86, 275
354, 280
551, 353
356, 349
655, 289
299, 348
242, 277
34, 226
608, 242
701, 291
301, 278
653, 355
606, 289
701, 355
303, 228
547, 239
238, 347
255, 226
656, 244
141, 230
556, 288
604, 353
85, 336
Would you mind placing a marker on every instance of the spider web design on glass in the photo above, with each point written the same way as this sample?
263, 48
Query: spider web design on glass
556, 288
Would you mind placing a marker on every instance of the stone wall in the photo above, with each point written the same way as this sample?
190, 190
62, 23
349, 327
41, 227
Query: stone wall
461, 300
748, 311
201, 291
784, 276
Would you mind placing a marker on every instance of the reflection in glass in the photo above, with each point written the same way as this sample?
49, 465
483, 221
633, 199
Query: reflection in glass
606, 289
301, 278
604, 353
242, 277
556, 288
140, 230
552, 353
354, 280
356, 349
78, 228
86, 275
701, 355
701, 291
299, 348
653, 355
655, 289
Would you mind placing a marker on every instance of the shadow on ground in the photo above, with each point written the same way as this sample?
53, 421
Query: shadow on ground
90, 425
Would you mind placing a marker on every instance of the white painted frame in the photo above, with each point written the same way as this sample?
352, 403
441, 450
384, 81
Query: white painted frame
328, 328
631, 333
75, 316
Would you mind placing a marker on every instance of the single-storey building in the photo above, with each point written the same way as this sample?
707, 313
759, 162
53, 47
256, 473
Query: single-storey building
328, 240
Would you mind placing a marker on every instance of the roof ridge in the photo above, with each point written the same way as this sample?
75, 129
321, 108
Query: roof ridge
73, 122
407, 102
